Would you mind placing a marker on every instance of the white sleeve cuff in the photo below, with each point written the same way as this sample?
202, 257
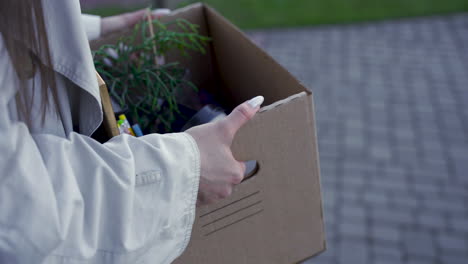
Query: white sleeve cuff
92, 25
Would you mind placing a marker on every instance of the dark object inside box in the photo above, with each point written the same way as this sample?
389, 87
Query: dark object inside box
194, 109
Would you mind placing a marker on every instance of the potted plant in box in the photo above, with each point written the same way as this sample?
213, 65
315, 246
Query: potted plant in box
144, 86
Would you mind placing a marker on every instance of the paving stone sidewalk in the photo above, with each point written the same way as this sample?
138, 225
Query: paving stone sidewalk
392, 113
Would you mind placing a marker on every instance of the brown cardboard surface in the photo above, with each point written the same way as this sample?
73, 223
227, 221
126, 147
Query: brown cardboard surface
275, 216
110, 124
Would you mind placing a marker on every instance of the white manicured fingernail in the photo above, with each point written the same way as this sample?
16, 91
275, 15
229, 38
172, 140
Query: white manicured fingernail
256, 101
161, 11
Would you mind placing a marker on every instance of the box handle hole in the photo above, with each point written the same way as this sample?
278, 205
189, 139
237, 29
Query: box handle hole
251, 169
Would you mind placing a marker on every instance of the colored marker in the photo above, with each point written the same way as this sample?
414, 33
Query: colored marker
137, 130
126, 124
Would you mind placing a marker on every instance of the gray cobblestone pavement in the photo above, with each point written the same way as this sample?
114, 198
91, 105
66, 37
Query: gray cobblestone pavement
392, 113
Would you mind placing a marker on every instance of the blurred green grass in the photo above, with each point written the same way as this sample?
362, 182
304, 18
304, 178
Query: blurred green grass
109, 11
287, 13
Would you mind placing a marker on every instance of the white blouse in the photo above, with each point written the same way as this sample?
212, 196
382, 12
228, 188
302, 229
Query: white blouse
64, 197
92, 25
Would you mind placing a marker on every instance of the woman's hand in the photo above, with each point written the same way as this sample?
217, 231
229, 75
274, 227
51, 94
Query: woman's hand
115, 23
220, 171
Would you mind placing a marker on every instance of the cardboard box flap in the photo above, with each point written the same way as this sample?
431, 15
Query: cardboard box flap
246, 70
251, 223
110, 124
233, 68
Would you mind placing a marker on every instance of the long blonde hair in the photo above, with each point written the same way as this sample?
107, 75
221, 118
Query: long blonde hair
25, 36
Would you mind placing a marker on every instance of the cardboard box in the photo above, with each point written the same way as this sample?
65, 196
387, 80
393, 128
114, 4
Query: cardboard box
275, 216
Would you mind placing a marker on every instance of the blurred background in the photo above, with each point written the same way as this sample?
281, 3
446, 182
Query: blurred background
390, 82
287, 13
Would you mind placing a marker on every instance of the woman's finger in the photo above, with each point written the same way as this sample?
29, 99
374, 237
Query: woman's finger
157, 13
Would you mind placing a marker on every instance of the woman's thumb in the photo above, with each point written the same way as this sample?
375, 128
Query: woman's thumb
242, 114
